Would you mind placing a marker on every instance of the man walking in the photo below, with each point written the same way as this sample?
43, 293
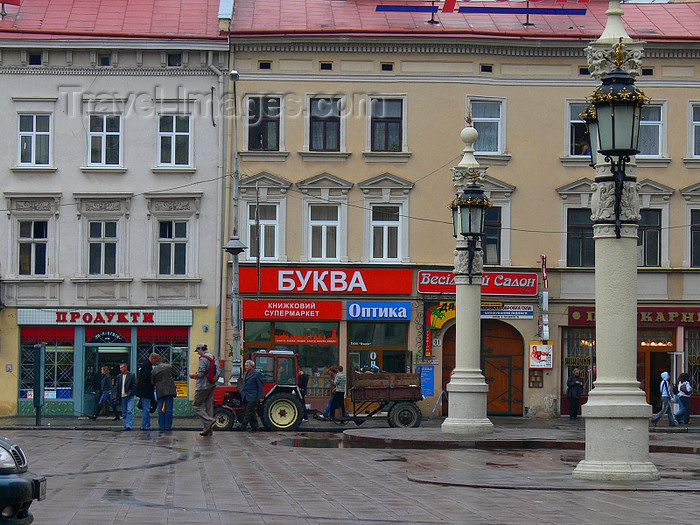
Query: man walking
144, 391
126, 392
338, 398
163, 378
203, 403
251, 393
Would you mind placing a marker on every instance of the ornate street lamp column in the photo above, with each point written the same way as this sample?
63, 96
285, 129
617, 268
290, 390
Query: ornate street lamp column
467, 389
616, 414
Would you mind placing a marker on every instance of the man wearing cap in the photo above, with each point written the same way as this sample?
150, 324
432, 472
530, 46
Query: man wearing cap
203, 403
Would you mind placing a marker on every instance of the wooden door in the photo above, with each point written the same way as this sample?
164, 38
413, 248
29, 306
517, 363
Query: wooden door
502, 353
448, 361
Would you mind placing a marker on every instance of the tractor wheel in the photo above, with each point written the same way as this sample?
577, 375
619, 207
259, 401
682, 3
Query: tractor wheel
404, 414
223, 419
282, 412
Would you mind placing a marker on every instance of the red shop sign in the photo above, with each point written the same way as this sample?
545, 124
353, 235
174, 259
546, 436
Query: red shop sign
316, 280
292, 310
492, 283
647, 316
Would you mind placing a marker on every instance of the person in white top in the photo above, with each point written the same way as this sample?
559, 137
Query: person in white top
665, 389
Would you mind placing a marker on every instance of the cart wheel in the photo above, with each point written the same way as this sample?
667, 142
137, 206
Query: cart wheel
223, 419
404, 414
282, 412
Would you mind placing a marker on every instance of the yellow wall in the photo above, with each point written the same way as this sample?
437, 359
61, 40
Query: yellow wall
9, 356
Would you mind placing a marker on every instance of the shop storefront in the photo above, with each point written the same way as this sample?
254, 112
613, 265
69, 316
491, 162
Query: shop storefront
506, 313
79, 342
668, 339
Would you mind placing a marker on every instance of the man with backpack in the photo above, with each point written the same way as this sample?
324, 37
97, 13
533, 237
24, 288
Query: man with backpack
206, 377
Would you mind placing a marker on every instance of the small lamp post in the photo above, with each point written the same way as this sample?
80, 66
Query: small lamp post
468, 391
235, 247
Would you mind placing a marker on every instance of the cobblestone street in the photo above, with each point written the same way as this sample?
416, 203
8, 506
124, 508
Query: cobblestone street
97, 476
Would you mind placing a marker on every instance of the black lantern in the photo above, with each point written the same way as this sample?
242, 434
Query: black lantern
468, 214
618, 113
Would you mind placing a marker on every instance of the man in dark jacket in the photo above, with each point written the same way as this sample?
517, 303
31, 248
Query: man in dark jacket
106, 395
144, 390
126, 392
163, 378
574, 392
251, 393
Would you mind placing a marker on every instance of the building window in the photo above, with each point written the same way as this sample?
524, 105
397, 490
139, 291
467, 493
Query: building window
580, 248
34, 59
172, 247
692, 345
486, 119
174, 59
385, 232
578, 132
650, 131
578, 348
325, 124
649, 238
387, 124
105, 140
174, 140
58, 365
323, 224
492, 236
104, 60
696, 131
174, 352
263, 240
695, 238
33, 240
264, 123
102, 248
34, 139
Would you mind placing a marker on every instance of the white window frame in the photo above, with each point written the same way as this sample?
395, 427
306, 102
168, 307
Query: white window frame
657, 197
177, 207
34, 134
693, 126
404, 120
307, 123
578, 197
323, 224
662, 131
33, 207
103, 136
173, 242
385, 226
691, 195
173, 136
499, 193
250, 222
570, 121
35, 106
33, 242
501, 122
103, 241
246, 116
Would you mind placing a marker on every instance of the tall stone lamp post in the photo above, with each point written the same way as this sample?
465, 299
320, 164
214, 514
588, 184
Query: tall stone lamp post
467, 389
617, 414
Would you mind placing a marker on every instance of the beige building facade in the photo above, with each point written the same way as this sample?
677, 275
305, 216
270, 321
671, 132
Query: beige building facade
345, 145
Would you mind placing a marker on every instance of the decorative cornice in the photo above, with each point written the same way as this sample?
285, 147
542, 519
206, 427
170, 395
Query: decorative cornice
108, 72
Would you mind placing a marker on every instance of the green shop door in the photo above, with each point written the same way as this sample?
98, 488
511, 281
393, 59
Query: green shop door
97, 356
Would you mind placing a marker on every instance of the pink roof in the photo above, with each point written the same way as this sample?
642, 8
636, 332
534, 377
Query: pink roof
51, 19
650, 22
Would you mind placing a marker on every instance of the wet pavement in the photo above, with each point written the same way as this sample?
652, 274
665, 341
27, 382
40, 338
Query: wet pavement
520, 474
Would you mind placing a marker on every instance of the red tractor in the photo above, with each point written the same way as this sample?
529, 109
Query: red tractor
282, 409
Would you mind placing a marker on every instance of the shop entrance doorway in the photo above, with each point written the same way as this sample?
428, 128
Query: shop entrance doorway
502, 351
97, 356
502, 359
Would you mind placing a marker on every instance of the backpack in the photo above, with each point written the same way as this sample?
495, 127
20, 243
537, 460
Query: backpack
213, 372
675, 390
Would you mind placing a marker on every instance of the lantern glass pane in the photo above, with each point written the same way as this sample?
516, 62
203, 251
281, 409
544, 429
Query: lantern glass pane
455, 222
605, 135
476, 217
593, 137
464, 219
624, 122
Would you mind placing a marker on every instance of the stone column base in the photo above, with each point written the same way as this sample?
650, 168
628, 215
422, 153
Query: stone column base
617, 435
467, 399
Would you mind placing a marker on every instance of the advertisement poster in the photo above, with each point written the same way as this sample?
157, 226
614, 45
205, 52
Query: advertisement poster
427, 380
541, 355
181, 388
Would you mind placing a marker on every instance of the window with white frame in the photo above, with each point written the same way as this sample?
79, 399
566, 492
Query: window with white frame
578, 131
580, 247
695, 238
385, 232
104, 138
695, 130
102, 247
34, 139
323, 231
324, 124
651, 131
262, 231
387, 124
172, 247
487, 119
264, 120
491, 245
649, 238
174, 140
33, 242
